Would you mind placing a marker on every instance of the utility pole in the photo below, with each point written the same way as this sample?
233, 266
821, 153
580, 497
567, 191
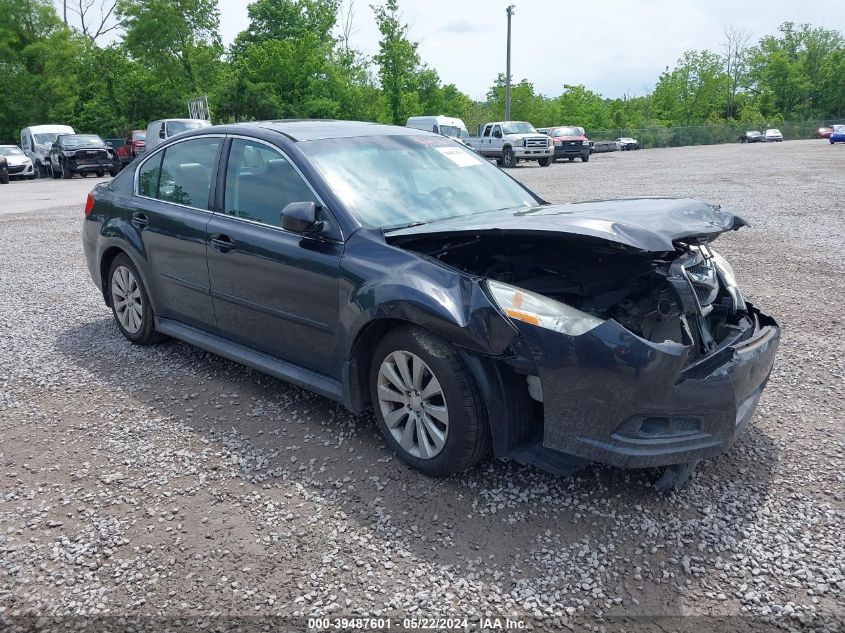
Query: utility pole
65, 11
510, 12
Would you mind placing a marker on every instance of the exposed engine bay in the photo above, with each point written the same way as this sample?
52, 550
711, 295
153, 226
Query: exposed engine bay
678, 296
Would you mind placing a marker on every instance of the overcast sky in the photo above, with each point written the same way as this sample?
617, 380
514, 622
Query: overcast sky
614, 47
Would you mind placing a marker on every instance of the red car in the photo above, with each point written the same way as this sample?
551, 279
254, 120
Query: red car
569, 141
133, 147
824, 132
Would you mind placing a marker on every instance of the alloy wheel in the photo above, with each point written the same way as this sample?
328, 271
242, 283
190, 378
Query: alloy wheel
413, 405
126, 297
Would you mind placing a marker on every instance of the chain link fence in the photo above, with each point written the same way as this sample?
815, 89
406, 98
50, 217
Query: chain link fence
710, 134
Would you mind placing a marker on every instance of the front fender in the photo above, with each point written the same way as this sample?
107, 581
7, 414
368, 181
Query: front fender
379, 281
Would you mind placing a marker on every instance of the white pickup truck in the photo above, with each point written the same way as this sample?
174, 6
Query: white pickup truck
512, 141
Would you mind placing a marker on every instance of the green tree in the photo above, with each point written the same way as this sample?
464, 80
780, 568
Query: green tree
398, 62
693, 91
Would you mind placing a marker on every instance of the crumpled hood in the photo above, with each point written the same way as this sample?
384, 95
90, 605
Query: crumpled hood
649, 224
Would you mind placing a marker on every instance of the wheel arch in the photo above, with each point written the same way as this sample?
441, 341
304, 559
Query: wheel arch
108, 256
505, 397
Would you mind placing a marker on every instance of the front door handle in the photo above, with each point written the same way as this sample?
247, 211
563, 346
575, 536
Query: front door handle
221, 242
140, 220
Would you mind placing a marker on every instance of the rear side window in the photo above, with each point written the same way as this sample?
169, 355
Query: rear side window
186, 172
260, 182
148, 176
181, 174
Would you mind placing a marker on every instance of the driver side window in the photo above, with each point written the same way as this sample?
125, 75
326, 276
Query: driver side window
260, 182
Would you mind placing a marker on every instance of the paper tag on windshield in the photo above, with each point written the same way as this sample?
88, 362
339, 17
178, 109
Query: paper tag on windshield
460, 157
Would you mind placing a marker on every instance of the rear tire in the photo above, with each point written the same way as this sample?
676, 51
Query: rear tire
571, 158
427, 403
130, 303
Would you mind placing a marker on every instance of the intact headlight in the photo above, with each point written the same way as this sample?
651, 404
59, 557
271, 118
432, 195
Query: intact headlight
69, 154
541, 311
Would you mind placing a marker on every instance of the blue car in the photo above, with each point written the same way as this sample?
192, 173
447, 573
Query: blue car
838, 135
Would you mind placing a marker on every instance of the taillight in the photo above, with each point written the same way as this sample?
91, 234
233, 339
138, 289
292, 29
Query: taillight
89, 204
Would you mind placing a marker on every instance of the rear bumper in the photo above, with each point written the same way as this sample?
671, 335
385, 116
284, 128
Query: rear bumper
612, 397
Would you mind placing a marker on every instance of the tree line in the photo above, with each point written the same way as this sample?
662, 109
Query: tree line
295, 60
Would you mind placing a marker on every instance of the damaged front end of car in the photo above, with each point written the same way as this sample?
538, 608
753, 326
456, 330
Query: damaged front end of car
636, 345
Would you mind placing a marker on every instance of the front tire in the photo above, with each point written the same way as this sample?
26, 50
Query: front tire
585, 158
545, 162
55, 173
4, 179
508, 158
67, 173
130, 303
427, 403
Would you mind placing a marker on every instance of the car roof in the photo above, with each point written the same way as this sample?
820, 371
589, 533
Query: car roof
316, 129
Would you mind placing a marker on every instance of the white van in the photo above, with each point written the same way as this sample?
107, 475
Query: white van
447, 126
36, 142
160, 131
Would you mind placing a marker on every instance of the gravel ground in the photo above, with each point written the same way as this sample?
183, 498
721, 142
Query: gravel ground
167, 482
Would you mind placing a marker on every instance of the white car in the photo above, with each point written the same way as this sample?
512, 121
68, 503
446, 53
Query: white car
773, 135
628, 143
20, 165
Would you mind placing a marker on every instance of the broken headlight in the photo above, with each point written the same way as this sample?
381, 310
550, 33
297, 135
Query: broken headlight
726, 274
541, 311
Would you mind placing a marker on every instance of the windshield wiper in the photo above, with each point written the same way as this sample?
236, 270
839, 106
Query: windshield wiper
402, 226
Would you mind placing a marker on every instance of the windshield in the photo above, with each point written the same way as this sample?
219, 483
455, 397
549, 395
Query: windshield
454, 131
81, 140
176, 127
773, 131
139, 136
753, 132
48, 138
520, 127
393, 181
567, 131
10, 150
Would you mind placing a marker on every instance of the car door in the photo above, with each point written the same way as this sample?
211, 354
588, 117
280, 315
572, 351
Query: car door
496, 140
175, 187
273, 290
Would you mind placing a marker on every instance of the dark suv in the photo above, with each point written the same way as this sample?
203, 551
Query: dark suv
389, 267
81, 154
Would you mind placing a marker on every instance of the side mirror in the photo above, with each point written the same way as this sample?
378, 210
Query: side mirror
497, 134
301, 217
161, 131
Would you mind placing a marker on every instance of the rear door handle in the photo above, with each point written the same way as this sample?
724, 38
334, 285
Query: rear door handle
221, 242
140, 220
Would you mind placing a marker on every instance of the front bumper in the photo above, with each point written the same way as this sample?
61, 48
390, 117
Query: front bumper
612, 397
533, 152
566, 151
79, 165
24, 169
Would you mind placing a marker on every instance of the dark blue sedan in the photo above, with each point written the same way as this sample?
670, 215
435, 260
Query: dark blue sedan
838, 135
394, 269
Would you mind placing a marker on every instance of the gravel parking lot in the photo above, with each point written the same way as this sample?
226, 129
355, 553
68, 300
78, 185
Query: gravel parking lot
165, 481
